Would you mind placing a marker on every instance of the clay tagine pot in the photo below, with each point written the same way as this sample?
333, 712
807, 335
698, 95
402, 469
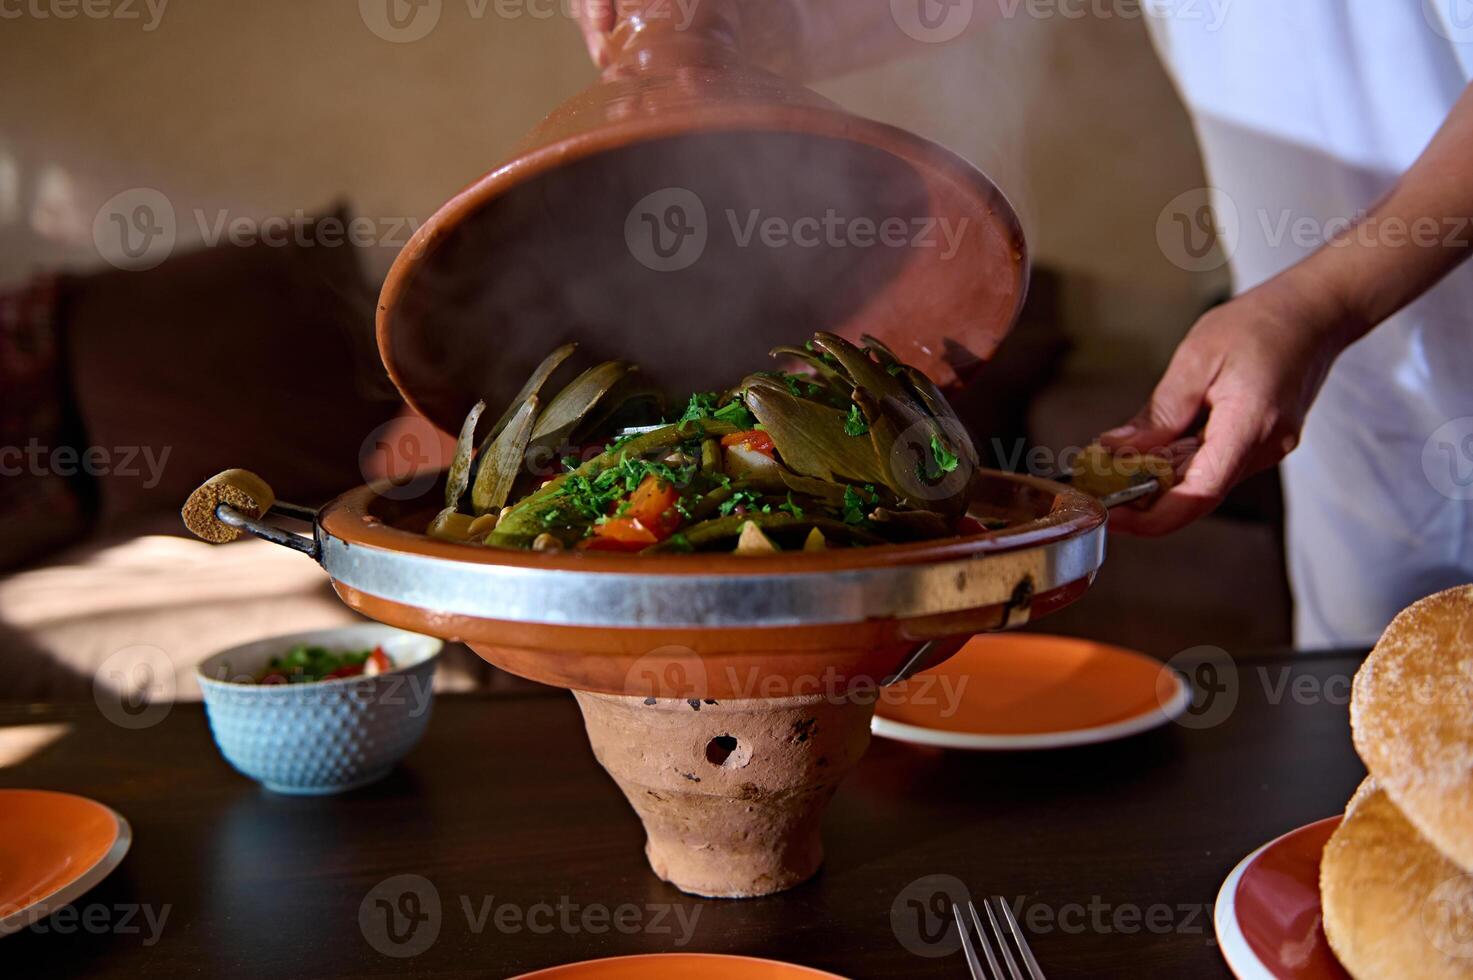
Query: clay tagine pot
688, 212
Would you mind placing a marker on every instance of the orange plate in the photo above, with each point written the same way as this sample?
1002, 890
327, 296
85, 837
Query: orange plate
1030, 691
53, 848
1268, 918
677, 966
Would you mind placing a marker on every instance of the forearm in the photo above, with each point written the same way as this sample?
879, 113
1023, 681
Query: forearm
1410, 240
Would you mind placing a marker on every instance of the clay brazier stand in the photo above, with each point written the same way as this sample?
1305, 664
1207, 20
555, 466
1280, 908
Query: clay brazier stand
731, 793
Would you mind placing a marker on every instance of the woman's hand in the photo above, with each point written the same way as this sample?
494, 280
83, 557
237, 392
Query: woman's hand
597, 18
772, 33
1250, 368
806, 40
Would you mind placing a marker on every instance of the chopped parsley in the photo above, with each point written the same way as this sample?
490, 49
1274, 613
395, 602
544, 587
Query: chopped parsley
620, 441
855, 425
590, 498
700, 407
704, 406
855, 510
798, 385
945, 458
742, 498
791, 507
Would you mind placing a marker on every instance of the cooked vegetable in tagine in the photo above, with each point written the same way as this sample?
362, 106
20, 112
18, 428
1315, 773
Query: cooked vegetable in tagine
859, 449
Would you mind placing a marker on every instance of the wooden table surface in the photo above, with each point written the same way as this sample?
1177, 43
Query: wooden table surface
1114, 853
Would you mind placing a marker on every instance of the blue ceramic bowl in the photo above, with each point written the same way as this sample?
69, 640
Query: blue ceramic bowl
326, 736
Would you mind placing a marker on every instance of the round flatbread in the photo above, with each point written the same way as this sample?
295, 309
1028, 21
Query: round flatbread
1412, 715
1393, 905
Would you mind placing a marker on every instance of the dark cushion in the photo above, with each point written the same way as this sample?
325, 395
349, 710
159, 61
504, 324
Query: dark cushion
259, 356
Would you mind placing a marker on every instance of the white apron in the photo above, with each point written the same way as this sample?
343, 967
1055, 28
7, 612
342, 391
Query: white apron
1308, 111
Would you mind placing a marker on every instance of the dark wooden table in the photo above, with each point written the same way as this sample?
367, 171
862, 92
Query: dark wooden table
1115, 852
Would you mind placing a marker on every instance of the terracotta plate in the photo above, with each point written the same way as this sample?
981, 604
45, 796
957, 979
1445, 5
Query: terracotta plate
53, 848
1268, 911
677, 966
1030, 691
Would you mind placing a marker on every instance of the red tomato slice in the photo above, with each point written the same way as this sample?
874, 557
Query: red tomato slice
378, 662
649, 516
653, 505
611, 544
969, 525
753, 439
627, 530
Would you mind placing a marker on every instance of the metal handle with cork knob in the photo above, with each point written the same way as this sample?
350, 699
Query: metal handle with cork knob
1116, 479
235, 502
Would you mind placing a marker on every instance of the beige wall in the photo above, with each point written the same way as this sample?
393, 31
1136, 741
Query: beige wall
269, 106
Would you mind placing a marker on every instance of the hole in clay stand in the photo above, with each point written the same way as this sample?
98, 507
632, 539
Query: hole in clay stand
725, 751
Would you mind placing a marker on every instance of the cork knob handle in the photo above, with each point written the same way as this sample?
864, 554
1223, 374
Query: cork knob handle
1121, 478
241, 489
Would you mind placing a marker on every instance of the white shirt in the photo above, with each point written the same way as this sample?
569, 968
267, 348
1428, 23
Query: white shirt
1307, 111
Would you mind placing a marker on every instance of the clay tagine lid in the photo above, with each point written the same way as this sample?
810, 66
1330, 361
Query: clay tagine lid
689, 212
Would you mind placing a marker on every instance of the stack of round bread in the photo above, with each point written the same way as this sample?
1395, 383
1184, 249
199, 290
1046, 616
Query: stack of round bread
1397, 877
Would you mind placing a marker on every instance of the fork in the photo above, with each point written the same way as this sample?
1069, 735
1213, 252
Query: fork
1001, 936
